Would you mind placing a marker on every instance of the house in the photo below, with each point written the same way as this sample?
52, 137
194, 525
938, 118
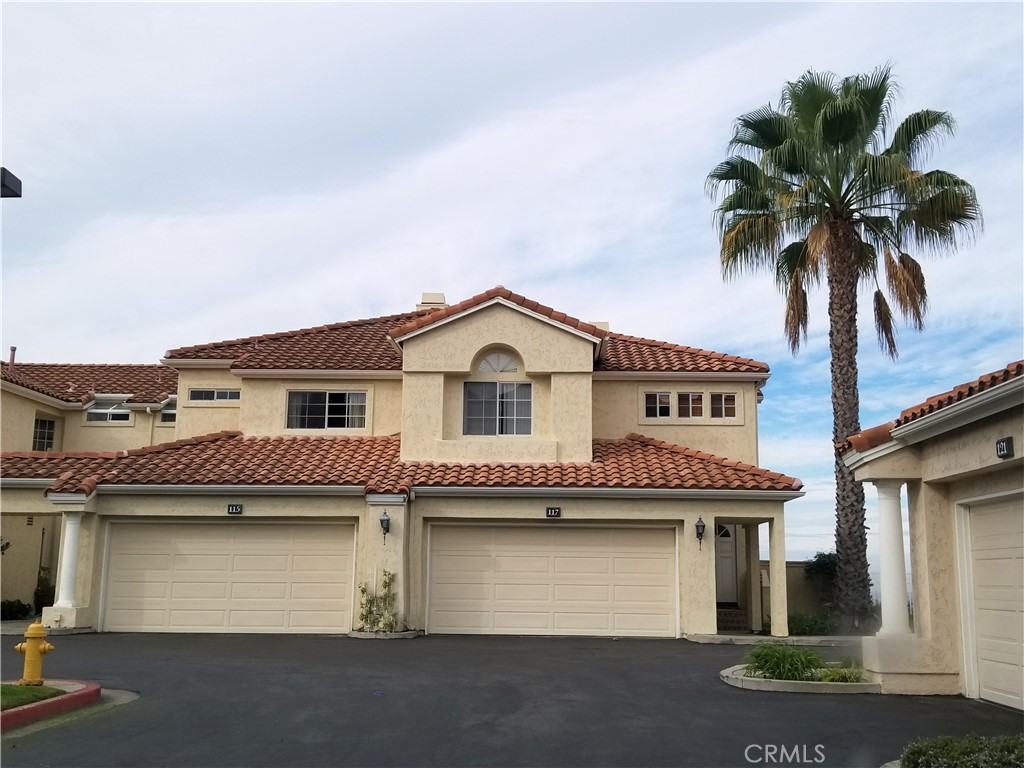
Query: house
958, 457
518, 470
72, 407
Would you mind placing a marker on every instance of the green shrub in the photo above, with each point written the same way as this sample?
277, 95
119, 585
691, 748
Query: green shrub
783, 662
841, 675
809, 624
14, 609
377, 612
964, 752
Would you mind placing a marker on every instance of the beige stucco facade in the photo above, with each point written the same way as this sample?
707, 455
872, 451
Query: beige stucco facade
948, 467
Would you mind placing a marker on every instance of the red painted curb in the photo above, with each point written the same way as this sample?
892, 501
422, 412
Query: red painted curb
58, 705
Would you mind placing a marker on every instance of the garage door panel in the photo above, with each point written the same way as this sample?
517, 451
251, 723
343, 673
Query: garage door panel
573, 581
230, 578
997, 565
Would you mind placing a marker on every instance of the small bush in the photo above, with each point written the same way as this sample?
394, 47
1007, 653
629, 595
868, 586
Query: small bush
841, 675
14, 609
809, 624
783, 662
964, 752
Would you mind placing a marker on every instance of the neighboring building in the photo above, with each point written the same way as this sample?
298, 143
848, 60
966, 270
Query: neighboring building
538, 474
65, 408
959, 454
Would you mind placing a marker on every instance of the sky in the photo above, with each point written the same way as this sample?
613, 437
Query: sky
197, 172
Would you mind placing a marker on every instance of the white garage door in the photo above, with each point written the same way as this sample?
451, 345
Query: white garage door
997, 564
239, 577
552, 581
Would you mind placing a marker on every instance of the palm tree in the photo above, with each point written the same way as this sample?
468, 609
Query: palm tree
812, 190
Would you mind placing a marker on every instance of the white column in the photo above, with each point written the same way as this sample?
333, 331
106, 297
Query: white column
893, 564
754, 576
69, 560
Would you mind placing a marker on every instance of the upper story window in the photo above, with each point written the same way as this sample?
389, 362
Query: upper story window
169, 414
326, 410
501, 406
108, 410
43, 432
691, 405
498, 408
657, 405
723, 405
213, 395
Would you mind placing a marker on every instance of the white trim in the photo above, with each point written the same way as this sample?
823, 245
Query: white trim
854, 460
760, 378
26, 482
70, 498
386, 499
309, 373
39, 397
195, 362
426, 589
499, 300
999, 398
104, 570
164, 489
635, 493
679, 606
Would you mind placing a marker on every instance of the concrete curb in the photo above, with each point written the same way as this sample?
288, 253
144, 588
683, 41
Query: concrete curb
736, 677
359, 635
822, 641
17, 629
79, 694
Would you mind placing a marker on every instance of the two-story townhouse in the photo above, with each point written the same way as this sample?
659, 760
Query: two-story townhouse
518, 470
72, 408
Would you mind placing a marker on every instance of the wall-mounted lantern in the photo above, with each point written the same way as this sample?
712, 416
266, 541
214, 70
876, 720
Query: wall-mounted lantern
700, 526
385, 525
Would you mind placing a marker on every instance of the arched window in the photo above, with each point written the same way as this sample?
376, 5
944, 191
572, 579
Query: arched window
500, 406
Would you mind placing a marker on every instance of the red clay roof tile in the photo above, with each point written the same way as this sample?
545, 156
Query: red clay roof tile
78, 382
227, 458
631, 353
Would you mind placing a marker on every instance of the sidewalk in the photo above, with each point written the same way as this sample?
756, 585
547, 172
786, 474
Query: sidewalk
17, 628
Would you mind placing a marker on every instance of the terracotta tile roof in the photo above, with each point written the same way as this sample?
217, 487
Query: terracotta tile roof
875, 436
77, 382
227, 458
630, 353
498, 292
357, 345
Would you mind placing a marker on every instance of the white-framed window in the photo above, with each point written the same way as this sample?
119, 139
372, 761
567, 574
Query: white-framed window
657, 405
43, 432
723, 405
691, 405
108, 411
497, 408
169, 413
326, 410
213, 395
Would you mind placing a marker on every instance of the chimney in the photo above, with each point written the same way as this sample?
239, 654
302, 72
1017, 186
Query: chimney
10, 363
602, 324
432, 301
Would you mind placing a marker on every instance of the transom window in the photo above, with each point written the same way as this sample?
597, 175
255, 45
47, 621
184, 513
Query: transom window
723, 405
169, 413
657, 405
497, 408
326, 410
691, 405
108, 410
498, 362
43, 432
212, 395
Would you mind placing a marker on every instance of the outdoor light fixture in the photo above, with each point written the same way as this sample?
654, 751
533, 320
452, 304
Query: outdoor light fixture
700, 525
385, 525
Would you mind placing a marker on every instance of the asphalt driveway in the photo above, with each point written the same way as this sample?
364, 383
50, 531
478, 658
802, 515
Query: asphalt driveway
230, 700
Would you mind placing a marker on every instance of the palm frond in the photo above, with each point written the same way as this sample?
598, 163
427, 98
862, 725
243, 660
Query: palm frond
760, 130
805, 98
876, 92
796, 313
884, 326
919, 133
750, 242
905, 280
841, 122
740, 171
940, 221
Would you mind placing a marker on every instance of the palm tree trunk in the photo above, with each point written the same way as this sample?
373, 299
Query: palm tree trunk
853, 585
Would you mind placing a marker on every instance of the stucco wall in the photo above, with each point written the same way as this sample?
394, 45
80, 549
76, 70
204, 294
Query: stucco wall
203, 418
264, 405
17, 421
618, 411
437, 364
32, 545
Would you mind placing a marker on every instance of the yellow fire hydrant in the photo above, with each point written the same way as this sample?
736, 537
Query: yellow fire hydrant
34, 647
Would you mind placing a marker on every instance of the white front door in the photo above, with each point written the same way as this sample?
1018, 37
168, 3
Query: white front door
725, 563
997, 564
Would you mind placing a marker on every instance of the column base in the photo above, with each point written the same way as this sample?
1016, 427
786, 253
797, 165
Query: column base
908, 664
60, 617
